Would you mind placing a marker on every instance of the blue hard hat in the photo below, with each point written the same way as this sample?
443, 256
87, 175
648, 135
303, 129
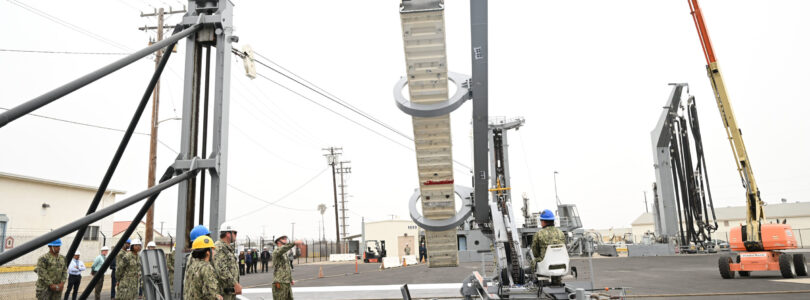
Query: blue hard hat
56, 243
547, 215
198, 231
129, 241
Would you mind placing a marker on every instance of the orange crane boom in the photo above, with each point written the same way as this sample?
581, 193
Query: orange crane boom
755, 216
760, 244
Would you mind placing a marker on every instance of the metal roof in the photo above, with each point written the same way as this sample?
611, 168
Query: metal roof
772, 211
54, 182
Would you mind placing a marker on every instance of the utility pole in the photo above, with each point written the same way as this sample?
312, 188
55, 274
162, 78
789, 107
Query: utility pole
150, 215
332, 157
343, 169
293, 233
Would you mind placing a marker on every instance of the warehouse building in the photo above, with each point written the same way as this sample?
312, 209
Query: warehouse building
30, 207
797, 215
395, 233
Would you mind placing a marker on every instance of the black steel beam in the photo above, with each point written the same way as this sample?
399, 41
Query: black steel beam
59, 92
131, 228
105, 181
44, 239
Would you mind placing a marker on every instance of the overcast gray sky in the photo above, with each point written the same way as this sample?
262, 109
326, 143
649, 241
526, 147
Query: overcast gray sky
590, 77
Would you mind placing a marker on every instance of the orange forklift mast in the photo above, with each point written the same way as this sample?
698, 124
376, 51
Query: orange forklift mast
760, 243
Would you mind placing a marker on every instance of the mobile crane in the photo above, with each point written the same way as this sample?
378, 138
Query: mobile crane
761, 244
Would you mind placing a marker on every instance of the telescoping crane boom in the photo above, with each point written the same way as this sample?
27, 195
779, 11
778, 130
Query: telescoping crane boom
761, 243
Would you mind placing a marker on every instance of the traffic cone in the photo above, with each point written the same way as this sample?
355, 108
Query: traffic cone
320, 272
355, 266
423, 259
404, 262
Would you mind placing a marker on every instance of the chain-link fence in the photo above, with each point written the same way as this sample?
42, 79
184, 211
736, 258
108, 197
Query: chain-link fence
305, 251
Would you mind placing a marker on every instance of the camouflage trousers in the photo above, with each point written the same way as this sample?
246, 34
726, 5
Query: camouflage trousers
171, 280
127, 289
282, 291
47, 294
228, 297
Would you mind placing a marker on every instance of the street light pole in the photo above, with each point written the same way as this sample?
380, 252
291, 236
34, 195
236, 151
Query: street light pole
555, 187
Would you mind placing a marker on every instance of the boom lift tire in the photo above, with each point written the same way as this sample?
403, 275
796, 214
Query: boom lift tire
800, 263
743, 273
725, 269
786, 265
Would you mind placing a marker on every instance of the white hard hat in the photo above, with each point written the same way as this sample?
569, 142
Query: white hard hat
151, 244
227, 227
105, 248
136, 242
77, 253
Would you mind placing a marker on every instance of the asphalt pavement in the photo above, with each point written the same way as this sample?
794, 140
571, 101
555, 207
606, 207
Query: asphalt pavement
686, 276
679, 277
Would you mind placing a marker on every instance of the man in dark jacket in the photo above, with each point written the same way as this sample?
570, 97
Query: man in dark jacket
265, 260
248, 260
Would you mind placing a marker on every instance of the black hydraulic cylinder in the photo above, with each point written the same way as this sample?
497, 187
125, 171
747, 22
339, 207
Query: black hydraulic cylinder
120, 244
105, 181
44, 239
47, 98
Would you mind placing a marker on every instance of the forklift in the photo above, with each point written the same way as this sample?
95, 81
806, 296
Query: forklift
374, 253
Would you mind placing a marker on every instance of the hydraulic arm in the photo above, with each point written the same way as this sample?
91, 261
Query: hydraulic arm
752, 238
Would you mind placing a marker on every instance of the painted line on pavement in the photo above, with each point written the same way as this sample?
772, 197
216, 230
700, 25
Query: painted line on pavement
359, 288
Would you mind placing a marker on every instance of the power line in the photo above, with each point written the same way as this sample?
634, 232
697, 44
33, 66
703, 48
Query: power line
93, 126
326, 95
265, 148
68, 25
62, 52
330, 96
286, 120
282, 128
129, 5
274, 203
241, 55
333, 111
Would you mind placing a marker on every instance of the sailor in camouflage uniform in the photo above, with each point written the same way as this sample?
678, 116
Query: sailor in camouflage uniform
51, 273
170, 267
225, 263
282, 273
200, 281
128, 272
549, 235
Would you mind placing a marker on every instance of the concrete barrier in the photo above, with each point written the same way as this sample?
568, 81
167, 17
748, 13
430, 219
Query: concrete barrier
342, 257
651, 250
392, 262
411, 259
